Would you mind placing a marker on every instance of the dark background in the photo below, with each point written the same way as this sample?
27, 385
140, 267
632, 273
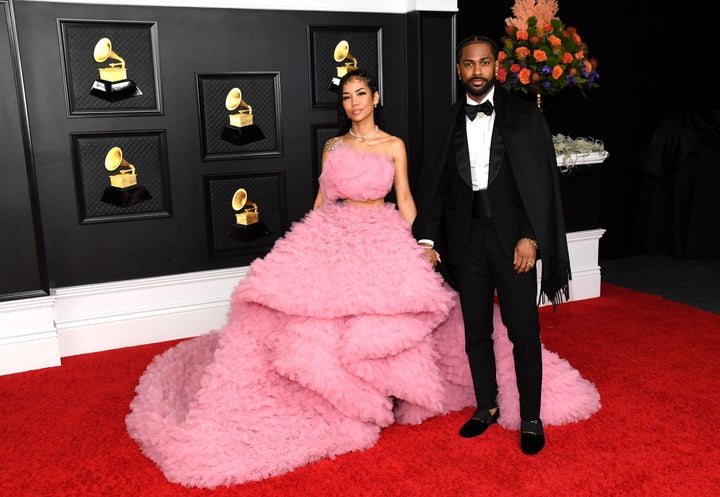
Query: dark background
654, 63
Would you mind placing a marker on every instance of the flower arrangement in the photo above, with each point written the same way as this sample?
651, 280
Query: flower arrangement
540, 55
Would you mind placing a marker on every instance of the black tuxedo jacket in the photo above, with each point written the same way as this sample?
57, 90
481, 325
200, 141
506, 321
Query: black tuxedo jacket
523, 189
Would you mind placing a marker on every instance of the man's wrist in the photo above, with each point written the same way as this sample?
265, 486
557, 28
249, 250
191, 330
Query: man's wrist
426, 243
532, 241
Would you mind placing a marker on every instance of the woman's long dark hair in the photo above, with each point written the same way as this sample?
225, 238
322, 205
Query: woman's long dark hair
367, 78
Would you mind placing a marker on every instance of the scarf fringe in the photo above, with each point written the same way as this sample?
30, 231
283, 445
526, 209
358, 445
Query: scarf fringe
555, 283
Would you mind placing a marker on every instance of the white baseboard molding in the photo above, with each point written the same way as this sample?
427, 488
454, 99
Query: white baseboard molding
38, 332
105, 316
28, 339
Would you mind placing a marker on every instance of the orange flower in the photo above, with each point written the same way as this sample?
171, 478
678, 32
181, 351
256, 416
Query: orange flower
524, 75
521, 53
540, 56
501, 75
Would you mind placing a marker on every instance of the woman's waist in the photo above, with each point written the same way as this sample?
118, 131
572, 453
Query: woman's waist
378, 202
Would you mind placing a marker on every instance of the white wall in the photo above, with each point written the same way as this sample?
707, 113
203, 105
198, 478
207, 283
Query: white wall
379, 6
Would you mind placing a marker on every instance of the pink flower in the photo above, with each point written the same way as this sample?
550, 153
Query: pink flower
521, 34
567, 58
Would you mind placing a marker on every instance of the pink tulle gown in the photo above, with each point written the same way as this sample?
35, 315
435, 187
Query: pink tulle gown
342, 329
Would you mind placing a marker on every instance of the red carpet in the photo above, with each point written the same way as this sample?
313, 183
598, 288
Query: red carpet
656, 364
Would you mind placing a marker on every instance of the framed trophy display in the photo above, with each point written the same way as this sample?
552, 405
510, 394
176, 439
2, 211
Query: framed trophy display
239, 115
245, 212
121, 175
337, 50
110, 67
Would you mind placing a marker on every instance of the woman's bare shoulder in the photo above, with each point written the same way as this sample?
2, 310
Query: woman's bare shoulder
332, 143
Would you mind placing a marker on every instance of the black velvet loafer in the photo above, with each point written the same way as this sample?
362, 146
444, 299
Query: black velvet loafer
532, 437
478, 423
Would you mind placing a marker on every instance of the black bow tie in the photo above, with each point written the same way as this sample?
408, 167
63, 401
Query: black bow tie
472, 110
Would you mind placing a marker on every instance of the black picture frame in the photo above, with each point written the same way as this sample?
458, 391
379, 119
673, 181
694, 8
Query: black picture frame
98, 200
225, 236
87, 93
219, 139
319, 134
365, 45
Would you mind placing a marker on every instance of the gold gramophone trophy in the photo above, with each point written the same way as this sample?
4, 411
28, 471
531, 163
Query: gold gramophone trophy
241, 129
113, 84
123, 190
342, 54
247, 225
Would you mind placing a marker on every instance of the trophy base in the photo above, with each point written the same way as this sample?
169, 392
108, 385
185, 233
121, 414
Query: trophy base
249, 232
114, 91
125, 197
334, 85
242, 136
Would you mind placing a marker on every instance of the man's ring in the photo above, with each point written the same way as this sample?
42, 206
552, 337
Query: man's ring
531, 265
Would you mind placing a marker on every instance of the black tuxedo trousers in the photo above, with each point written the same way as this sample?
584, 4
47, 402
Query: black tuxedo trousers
484, 269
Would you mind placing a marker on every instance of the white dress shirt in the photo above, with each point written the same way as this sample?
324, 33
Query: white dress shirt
479, 133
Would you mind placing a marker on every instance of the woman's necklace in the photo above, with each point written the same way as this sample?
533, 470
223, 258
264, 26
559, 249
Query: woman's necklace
359, 137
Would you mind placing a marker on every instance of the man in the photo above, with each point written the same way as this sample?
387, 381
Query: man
489, 196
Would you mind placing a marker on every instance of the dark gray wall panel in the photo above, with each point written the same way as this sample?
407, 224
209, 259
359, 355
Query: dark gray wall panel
22, 268
190, 41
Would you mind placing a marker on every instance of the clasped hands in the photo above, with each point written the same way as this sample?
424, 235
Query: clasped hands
523, 261
431, 254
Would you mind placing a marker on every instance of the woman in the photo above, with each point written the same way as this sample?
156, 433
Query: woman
343, 328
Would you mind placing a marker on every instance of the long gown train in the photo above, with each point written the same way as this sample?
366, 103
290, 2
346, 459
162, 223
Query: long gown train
342, 329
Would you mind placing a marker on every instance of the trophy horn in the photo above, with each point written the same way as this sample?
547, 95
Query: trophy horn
240, 200
103, 51
342, 52
233, 100
114, 159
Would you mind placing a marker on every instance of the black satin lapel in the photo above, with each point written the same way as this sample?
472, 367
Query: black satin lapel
497, 153
462, 155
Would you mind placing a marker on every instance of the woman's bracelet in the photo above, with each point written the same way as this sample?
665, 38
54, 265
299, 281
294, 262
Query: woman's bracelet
533, 242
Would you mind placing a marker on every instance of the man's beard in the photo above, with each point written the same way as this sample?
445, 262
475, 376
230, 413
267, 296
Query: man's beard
479, 92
